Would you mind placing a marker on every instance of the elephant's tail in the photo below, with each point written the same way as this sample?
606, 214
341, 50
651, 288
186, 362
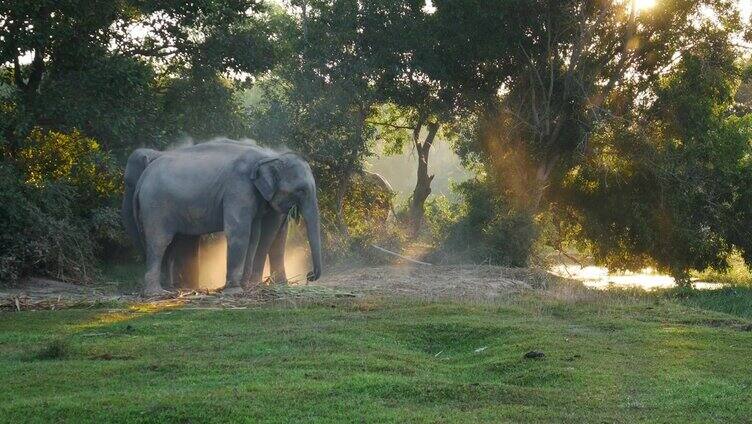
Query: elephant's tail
138, 233
129, 219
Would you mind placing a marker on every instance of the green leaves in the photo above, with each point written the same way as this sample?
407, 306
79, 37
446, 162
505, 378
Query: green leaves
665, 188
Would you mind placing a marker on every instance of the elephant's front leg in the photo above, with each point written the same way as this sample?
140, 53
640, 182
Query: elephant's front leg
269, 231
277, 253
242, 240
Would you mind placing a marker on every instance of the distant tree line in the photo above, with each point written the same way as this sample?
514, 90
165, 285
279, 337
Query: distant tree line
594, 124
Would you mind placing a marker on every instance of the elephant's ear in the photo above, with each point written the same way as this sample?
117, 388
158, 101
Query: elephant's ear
262, 174
149, 158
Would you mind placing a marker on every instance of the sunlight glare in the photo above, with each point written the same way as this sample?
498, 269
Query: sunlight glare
644, 4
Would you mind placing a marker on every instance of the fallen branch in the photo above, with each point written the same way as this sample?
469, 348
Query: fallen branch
399, 256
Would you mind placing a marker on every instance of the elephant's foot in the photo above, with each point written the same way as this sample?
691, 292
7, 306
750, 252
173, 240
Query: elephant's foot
232, 290
278, 278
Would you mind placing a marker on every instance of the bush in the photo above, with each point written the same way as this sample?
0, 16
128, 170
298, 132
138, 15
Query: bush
57, 200
440, 214
482, 228
42, 234
366, 212
73, 159
107, 232
738, 273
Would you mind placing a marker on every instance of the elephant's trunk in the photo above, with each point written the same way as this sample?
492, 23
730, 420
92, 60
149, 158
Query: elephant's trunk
310, 212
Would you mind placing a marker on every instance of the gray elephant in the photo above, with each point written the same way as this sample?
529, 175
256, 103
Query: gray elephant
137, 163
272, 243
176, 259
222, 186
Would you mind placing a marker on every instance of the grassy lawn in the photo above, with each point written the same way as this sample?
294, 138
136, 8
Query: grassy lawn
613, 357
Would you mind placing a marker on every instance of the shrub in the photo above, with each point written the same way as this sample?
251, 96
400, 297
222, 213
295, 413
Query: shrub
73, 159
108, 234
366, 212
440, 214
483, 228
57, 200
42, 235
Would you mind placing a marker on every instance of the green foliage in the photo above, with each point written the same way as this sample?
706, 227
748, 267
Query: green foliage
43, 233
90, 72
202, 107
738, 273
346, 245
110, 98
367, 211
483, 228
441, 214
73, 159
59, 208
366, 205
668, 189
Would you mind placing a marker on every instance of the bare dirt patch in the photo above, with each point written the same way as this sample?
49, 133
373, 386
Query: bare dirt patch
470, 282
475, 282
44, 293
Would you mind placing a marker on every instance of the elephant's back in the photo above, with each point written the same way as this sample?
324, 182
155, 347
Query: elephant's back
187, 175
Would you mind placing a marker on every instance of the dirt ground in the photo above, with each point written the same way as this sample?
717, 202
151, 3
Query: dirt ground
446, 281
474, 282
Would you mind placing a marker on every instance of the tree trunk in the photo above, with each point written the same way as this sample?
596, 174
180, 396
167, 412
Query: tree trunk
423, 182
542, 181
344, 184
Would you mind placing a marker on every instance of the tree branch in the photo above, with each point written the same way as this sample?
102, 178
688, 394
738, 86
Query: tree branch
387, 124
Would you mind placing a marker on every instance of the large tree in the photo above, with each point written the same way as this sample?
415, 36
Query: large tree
101, 66
641, 93
667, 184
322, 98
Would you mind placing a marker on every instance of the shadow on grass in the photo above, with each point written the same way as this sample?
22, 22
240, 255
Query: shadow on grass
54, 350
128, 276
735, 301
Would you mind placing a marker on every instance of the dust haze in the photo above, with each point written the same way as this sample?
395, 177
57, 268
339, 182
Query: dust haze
400, 170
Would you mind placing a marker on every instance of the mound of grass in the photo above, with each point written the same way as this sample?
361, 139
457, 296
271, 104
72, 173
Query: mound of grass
55, 349
734, 300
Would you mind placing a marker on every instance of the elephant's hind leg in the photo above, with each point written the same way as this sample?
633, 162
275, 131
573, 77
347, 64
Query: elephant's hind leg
156, 246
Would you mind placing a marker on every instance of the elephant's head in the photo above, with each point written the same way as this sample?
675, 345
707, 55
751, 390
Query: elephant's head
285, 181
137, 163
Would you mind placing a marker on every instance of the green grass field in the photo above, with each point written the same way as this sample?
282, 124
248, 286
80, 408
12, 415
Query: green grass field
609, 357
